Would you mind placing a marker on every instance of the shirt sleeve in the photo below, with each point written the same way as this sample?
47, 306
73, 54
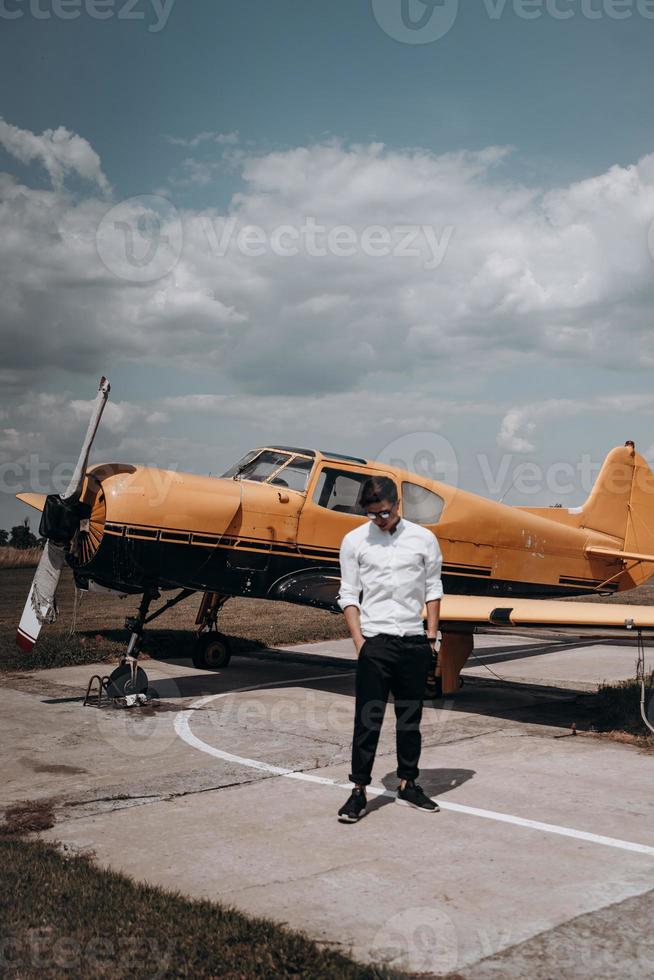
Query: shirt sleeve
433, 565
350, 577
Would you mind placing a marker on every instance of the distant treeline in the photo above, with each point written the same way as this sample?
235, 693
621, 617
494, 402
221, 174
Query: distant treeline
20, 537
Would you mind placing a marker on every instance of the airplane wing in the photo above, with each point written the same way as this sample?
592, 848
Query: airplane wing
317, 588
615, 553
545, 613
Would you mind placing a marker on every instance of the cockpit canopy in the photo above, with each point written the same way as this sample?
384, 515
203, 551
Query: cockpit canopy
284, 467
337, 489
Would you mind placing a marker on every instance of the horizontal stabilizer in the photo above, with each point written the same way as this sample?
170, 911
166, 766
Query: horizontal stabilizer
36, 500
545, 613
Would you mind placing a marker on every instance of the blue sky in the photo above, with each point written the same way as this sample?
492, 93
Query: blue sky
571, 95
526, 340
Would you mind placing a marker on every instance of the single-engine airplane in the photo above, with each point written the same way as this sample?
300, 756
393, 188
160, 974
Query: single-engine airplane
272, 525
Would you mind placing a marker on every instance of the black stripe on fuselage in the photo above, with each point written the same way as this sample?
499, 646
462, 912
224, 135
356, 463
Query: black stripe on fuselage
135, 562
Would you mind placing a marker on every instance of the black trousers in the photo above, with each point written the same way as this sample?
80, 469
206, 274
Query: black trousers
389, 664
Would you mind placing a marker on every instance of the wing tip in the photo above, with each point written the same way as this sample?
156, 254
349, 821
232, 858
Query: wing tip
35, 500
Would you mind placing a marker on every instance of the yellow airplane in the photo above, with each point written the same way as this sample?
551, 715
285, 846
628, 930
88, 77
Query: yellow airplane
272, 525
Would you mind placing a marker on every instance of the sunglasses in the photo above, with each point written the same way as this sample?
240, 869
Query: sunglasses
384, 514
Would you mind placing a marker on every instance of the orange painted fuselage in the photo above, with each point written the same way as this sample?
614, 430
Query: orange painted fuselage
241, 536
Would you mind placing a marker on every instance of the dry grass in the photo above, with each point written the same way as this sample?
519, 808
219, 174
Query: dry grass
20, 558
617, 707
100, 633
64, 917
100, 636
644, 742
30, 816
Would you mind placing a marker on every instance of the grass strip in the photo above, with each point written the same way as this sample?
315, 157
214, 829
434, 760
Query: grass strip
64, 916
99, 633
617, 706
57, 648
19, 557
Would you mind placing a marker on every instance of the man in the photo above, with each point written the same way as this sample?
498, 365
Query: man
396, 566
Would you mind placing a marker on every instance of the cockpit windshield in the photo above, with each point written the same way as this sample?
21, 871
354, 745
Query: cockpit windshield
272, 466
258, 465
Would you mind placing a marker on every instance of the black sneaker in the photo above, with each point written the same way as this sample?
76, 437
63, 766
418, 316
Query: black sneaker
412, 795
354, 808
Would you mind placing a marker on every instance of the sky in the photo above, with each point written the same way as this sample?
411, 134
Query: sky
413, 231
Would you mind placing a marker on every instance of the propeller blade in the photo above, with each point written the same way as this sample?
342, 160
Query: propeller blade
41, 606
74, 489
58, 523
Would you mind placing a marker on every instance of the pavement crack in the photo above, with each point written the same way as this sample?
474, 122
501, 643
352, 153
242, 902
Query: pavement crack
145, 799
113, 799
463, 738
298, 878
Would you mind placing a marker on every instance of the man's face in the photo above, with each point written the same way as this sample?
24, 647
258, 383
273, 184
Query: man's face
386, 514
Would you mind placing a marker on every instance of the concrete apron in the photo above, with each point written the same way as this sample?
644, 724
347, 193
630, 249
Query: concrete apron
190, 798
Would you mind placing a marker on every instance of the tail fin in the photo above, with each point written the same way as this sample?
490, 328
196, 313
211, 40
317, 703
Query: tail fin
621, 504
607, 508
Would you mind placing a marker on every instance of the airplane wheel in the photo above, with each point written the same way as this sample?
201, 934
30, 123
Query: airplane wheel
211, 652
120, 682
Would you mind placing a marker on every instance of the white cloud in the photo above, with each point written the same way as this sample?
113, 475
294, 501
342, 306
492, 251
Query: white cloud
207, 136
197, 173
565, 274
60, 151
509, 436
521, 423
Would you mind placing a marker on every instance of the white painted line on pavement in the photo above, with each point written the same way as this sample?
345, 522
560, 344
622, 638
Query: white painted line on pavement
183, 729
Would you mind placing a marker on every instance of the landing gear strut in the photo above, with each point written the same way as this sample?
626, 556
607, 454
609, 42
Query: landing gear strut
212, 649
129, 678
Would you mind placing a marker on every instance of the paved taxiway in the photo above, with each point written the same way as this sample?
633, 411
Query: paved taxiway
541, 858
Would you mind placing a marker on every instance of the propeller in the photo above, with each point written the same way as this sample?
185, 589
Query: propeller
60, 522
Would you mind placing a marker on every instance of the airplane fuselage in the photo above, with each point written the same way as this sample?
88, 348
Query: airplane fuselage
237, 536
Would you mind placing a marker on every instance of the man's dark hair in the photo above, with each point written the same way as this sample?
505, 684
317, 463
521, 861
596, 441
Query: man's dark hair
377, 489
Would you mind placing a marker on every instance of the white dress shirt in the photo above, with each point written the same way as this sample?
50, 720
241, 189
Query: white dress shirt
397, 573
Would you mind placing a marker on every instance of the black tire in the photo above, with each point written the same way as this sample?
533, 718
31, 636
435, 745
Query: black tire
120, 682
211, 652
